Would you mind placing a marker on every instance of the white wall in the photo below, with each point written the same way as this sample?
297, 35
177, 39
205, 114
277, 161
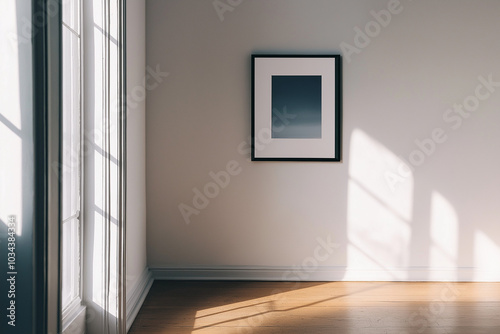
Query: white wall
440, 221
16, 161
136, 177
138, 277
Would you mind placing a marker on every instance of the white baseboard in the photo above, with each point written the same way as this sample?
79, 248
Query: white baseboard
137, 294
325, 274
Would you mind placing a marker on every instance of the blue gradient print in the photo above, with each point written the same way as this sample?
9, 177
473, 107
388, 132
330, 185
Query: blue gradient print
300, 97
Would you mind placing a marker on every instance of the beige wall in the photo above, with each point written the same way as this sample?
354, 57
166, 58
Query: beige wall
440, 221
136, 141
138, 276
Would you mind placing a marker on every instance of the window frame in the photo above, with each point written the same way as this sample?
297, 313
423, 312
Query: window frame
73, 314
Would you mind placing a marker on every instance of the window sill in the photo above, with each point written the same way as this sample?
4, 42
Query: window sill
73, 321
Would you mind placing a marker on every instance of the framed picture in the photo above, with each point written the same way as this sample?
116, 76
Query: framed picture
296, 107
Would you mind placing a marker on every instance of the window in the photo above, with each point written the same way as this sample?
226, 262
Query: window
92, 130
71, 156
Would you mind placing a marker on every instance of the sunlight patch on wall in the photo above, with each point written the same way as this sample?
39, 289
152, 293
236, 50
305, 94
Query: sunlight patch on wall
11, 149
444, 234
486, 257
377, 217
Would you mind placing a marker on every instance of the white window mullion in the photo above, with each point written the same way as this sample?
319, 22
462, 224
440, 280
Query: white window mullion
73, 312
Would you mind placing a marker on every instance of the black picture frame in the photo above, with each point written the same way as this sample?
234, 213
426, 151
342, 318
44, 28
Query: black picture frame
296, 107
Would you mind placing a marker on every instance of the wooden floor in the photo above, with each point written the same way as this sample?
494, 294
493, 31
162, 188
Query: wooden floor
317, 307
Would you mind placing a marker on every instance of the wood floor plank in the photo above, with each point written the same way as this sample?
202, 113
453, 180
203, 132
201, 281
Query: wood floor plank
174, 307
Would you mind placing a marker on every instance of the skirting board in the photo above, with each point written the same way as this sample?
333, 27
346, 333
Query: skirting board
326, 274
137, 295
